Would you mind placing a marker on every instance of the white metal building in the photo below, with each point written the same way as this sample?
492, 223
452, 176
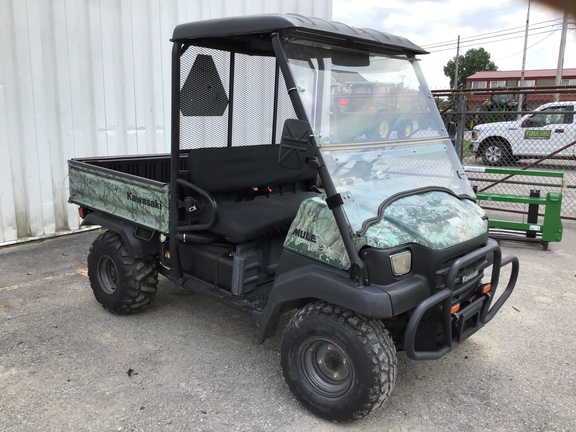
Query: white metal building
87, 78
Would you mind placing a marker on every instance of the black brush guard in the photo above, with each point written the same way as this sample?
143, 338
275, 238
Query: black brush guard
469, 319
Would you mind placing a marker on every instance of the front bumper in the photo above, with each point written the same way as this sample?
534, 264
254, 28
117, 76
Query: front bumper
474, 145
459, 326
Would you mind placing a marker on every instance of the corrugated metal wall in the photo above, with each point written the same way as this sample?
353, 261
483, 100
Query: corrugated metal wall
84, 78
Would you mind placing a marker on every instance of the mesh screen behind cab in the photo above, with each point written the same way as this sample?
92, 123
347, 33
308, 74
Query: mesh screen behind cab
207, 97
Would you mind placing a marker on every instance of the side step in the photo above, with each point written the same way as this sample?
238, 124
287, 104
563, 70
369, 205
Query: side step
254, 301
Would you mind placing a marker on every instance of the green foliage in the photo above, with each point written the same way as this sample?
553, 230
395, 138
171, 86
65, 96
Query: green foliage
474, 60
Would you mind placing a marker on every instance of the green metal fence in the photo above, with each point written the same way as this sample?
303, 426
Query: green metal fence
517, 128
535, 225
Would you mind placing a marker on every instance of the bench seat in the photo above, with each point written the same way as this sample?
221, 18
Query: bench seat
262, 217
229, 174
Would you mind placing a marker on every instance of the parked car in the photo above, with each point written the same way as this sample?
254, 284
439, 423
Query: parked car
535, 135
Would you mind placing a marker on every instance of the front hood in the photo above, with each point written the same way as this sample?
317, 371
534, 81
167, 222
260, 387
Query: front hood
497, 125
435, 220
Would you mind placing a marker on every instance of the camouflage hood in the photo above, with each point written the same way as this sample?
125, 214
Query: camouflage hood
435, 219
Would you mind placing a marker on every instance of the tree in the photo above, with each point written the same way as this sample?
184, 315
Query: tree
474, 60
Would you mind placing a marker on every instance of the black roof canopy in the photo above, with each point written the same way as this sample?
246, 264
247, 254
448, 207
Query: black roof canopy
269, 23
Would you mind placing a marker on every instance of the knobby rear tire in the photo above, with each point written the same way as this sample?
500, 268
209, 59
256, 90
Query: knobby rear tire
122, 284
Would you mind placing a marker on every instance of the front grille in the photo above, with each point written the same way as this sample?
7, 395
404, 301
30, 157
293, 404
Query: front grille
462, 289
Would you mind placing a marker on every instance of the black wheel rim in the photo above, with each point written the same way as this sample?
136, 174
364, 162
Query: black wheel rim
327, 367
107, 275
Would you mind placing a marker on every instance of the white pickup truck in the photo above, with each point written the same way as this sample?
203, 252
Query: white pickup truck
535, 135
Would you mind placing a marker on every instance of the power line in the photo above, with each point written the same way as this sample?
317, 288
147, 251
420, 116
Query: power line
519, 28
458, 17
500, 33
493, 41
451, 44
482, 37
531, 46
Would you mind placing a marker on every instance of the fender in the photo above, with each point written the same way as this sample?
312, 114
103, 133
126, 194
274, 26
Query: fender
315, 281
496, 138
141, 242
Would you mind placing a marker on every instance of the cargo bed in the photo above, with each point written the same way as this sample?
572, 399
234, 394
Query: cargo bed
132, 187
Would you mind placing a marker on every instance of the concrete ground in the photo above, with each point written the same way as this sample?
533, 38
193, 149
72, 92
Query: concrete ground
189, 363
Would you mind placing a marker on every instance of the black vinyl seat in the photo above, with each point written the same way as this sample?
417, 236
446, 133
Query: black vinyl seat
244, 221
232, 175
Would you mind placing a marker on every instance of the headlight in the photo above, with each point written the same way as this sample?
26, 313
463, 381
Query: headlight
474, 134
401, 263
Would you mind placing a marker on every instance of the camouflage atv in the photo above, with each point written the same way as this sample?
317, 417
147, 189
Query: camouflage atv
273, 203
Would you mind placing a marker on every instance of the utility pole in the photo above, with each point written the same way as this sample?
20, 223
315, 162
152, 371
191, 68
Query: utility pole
458, 103
561, 52
522, 74
457, 61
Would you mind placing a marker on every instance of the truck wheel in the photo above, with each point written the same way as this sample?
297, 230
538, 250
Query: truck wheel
122, 284
339, 364
494, 153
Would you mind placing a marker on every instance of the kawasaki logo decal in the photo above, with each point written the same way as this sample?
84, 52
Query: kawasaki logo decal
144, 201
537, 134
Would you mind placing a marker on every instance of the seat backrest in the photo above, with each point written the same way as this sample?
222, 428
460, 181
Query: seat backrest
230, 169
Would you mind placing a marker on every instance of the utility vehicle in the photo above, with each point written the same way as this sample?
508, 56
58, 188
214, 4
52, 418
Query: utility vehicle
382, 118
374, 245
501, 102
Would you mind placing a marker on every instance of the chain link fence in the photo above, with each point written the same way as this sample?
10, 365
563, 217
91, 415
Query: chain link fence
516, 128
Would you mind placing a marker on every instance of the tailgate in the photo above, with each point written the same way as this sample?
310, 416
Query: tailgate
137, 199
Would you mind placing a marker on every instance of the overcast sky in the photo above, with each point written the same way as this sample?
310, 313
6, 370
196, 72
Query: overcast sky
429, 23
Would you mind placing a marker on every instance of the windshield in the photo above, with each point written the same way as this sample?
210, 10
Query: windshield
378, 129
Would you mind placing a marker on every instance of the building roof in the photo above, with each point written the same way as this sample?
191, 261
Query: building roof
528, 74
